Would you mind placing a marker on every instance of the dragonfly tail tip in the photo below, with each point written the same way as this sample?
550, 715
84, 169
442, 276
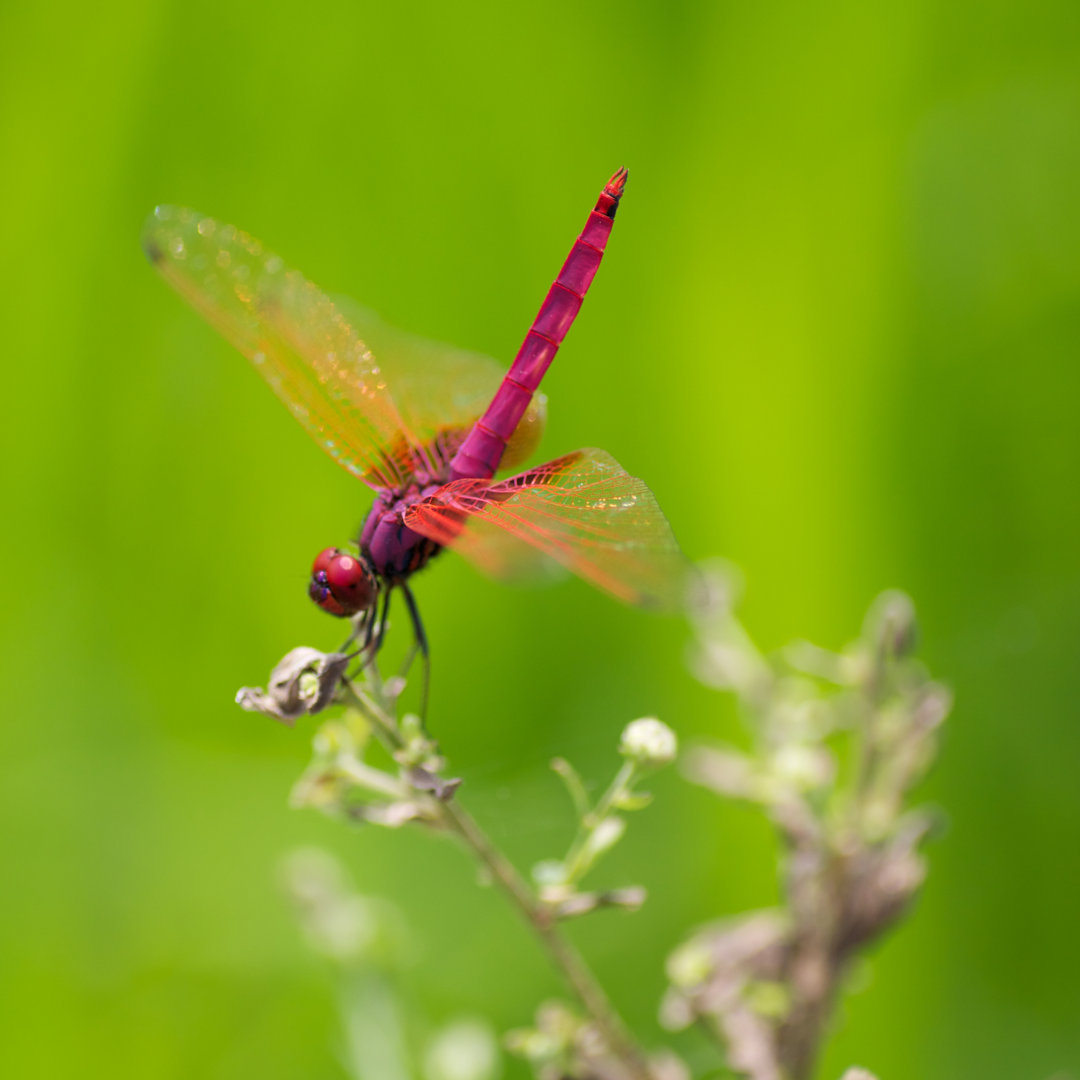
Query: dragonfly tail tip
617, 184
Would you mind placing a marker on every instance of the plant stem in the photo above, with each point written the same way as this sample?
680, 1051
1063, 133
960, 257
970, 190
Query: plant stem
593, 818
565, 957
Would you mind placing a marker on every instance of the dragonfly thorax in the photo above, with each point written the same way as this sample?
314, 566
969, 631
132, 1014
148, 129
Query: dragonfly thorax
345, 585
395, 550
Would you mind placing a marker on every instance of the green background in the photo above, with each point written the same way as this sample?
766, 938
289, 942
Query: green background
836, 332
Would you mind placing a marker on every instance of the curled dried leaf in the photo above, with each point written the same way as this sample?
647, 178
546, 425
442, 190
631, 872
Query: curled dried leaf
629, 899
423, 780
304, 681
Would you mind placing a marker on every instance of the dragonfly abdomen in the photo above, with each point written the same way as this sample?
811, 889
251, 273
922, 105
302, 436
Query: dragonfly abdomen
480, 453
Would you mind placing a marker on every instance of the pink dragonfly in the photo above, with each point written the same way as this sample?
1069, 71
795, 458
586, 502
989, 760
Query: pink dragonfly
415, 429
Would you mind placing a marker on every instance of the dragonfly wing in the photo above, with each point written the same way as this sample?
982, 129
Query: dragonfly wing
441, 391
582, 510
299, 342
503, 556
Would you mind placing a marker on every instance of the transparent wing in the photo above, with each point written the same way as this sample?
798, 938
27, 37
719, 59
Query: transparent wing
299, 342
441, 391
583, 510
504, 557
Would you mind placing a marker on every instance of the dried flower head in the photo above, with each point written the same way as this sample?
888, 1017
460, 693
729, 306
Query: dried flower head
304, 681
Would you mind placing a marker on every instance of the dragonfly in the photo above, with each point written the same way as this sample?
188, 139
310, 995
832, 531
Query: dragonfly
428, 428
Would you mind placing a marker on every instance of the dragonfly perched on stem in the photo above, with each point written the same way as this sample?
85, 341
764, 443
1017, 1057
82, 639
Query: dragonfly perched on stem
427, 427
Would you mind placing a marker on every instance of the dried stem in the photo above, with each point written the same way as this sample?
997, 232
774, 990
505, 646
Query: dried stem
768, 981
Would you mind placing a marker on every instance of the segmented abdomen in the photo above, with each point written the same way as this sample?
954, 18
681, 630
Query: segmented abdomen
480, 453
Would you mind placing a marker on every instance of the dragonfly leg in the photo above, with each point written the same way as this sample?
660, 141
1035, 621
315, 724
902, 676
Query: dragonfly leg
361, 627
383, 620
376, 631
369, 627
422, 645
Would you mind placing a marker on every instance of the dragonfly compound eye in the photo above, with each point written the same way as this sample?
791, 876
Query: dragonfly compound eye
340, 584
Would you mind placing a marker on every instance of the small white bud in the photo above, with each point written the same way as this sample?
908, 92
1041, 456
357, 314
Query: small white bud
549, 872
465, 1049
337, 922
603, 838
805, 768
649, 742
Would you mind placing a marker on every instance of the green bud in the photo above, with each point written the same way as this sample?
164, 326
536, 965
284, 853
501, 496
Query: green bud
603, 838
768, 998
549, 872
689, 965
632, 800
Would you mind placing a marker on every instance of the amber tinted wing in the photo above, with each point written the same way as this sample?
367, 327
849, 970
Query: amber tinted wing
311, 356
583, 510
440, 390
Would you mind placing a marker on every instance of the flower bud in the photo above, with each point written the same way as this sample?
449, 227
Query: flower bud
803, 768
603, 838
890, 624
465, 1049
649, 742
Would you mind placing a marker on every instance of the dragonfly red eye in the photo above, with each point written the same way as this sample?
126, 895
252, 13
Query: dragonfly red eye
340, 583
324, 559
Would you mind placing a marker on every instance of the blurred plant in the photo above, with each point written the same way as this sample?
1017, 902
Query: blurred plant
368, 942
646, 744
348, 779
838, 741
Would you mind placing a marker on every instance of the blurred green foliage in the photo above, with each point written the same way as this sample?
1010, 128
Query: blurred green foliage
836, 331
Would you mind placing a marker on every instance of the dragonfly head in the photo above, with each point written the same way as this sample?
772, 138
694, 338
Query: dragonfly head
341, 584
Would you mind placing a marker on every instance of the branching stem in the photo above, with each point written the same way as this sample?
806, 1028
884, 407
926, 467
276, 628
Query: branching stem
575, 861
563, 954
567, 960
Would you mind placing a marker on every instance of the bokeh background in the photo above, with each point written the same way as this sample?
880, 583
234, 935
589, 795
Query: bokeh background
837, 332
